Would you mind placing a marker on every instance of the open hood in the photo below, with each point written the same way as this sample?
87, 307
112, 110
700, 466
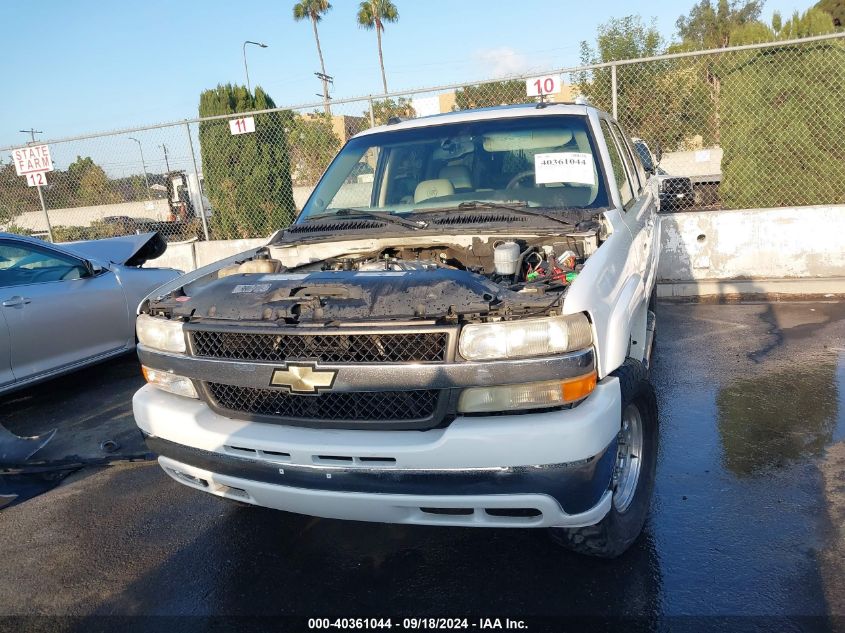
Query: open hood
130, 250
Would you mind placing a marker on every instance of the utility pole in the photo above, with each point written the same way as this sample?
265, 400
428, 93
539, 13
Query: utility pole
326, 79
32, 132
144, 165
167, 164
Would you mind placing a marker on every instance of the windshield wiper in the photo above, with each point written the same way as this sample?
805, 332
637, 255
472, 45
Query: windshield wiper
518, 207
380, 215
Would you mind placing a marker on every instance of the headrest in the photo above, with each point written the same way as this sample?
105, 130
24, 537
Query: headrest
458, 175
433, 189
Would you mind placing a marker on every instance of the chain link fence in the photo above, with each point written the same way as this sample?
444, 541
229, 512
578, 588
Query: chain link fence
749, 127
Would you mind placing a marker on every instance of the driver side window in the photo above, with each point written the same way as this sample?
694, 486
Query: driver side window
22, 264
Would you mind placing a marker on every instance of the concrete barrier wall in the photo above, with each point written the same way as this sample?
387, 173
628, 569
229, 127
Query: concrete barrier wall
795, 250
188, 256
157, 210
799, 250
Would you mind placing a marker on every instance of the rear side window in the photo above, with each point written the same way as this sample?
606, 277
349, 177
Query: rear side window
619, 170
634, 161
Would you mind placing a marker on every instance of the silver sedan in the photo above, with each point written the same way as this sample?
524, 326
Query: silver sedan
65, 306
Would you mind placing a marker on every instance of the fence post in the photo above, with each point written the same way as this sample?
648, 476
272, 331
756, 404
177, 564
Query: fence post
615, 92
199, 184
372, 114
46, 215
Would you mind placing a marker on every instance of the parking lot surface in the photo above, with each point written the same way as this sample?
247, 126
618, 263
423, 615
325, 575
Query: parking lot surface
747, 519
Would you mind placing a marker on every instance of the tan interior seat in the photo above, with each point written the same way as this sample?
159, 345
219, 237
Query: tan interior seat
436, 188
458, 175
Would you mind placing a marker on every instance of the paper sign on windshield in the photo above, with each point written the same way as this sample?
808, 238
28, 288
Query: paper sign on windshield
570, 167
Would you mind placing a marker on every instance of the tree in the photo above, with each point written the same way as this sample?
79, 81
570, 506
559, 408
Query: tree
490, 94
663, 102
836, 10
313, 144
386, 109
92, 185
372, 14
247, 176
314, 10
812, 22
16, 197
729, 22
617, 39
783, 118
707, 26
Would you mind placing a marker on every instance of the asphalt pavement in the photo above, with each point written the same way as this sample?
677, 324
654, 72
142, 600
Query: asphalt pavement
747, 522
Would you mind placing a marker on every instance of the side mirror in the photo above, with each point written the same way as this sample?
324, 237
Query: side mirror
658, 155
91, 268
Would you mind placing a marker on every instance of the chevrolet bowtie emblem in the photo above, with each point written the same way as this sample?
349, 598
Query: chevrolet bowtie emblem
303, 378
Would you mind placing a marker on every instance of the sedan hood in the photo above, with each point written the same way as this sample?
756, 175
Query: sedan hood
130, 250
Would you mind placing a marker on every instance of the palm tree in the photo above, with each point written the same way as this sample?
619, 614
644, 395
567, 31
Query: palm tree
314, 10
372, 14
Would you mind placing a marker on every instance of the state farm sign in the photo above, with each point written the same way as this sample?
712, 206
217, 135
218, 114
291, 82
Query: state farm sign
32, 160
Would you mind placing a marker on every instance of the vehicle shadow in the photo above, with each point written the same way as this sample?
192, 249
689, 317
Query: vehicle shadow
262, 563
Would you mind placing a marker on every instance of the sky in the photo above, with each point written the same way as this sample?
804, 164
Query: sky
79, 66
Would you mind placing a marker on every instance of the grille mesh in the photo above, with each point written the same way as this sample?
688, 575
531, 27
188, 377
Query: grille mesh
361, 406
335, 348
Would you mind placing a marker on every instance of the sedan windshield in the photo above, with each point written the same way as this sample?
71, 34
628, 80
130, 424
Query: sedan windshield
548, 162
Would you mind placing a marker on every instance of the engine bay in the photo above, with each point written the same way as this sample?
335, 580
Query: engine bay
441, 279
521, 264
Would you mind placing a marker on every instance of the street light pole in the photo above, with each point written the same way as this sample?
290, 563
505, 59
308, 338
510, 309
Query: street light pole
144, 165
246, 68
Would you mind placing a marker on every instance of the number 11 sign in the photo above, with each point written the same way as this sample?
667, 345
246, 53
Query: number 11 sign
244, 125
540, 86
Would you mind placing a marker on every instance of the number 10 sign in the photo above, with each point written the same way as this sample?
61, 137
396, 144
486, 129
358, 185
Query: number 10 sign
244, 125
539, 86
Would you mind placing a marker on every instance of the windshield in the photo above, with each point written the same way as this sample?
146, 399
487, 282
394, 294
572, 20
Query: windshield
548, 162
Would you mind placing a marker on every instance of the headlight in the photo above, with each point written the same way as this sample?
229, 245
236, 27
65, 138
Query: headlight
533, 395
529, 337
171, 383
160, 334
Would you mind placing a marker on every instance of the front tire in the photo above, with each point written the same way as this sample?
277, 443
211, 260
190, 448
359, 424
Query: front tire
634, 472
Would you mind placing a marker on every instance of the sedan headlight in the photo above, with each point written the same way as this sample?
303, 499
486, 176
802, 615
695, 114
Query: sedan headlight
161, 334
528, 337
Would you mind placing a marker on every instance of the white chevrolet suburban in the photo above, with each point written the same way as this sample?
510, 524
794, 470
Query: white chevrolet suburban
455, 331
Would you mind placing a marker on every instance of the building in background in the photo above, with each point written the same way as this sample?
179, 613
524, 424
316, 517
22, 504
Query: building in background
447, 101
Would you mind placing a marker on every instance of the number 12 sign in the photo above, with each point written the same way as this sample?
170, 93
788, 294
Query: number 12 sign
539, 86
36, 179
244, 125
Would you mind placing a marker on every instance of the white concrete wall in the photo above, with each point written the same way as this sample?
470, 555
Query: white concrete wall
188, 256
699, 164
300, 195
157, 210
762, 250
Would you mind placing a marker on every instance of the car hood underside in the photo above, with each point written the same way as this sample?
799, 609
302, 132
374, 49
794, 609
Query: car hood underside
130, 250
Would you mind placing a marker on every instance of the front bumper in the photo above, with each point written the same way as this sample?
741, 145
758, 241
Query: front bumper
539, 469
